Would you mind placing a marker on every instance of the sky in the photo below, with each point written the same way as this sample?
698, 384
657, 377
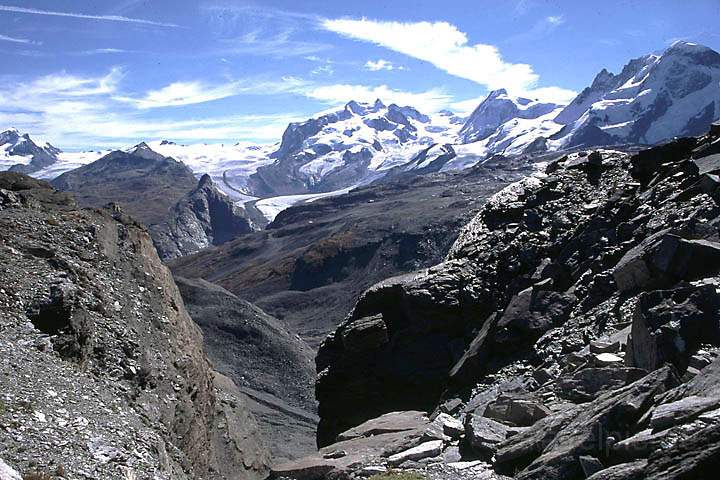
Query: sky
103, 74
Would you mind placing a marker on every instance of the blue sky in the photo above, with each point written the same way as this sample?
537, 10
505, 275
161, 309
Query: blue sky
89, 74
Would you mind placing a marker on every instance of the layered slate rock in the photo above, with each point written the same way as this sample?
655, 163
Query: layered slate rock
588, 298
103, 372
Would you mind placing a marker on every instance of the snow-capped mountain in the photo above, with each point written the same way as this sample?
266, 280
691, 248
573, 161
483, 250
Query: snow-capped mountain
654, 98
497, 109
19, 153
350, 146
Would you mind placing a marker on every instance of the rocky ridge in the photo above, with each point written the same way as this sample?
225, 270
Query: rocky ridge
103, 371
571, 331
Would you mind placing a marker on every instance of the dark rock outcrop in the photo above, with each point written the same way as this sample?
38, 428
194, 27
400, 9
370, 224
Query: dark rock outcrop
204, 217
571, 327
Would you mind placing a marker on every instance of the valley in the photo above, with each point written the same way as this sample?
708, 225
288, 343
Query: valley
525, 290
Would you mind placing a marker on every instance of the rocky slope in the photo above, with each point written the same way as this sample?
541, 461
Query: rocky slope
269, 363
144, 183
572, 332
103, 371
310, 265
204, 217
19, 153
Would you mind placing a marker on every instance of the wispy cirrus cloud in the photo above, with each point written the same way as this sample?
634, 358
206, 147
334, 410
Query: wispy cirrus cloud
447, 48
25, 41
109, 18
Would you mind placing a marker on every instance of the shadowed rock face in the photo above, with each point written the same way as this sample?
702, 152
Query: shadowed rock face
573, 323
100, 355
204, 217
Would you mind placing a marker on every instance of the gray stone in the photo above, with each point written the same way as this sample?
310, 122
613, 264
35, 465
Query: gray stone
590, 465
516, 411
432, 448
599, 346
624, 471
681, 411
586, 384
484, 434
388, 423
365, 334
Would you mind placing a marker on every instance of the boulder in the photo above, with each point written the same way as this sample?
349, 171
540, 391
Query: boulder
518, 451
517, 411
665, 258
647, 163
624, 471
450, 426
307, 468
588, 432
484, 434
429, 449
388, 423
365, 334
607, 359
681, 411
590, 465
670, 326
586, 384
599, 346
707, 164
531, 313
697, 456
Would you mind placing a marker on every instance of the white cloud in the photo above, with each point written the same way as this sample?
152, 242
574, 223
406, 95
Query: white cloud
110, 18
74, 111
428, 101
442, 45
183, 93
555, 19
381, 65
26, 41
447, 48
326, 69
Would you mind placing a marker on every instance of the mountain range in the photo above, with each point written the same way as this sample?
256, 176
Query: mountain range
528, 292
654, 98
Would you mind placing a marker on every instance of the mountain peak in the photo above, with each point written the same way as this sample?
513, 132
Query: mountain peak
497, 93
205, 181
699, 54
